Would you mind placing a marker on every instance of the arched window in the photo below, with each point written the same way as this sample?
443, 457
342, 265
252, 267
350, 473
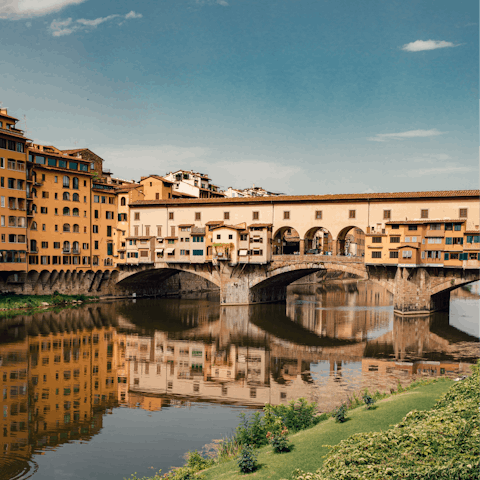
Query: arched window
66, 227
34, 226
34, 208
76, 228
34, 192
123, 201
76, 197
66, 211
33, 246
75, 183
76, 247
75, 212
66, 246
66, 196
66, 181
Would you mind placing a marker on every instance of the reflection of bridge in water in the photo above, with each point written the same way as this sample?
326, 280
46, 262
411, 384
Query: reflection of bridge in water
327, 342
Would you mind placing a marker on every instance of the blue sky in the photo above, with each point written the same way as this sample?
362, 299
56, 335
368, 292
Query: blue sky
298, 96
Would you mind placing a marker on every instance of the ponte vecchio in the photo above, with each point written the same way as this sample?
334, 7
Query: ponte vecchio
418, 245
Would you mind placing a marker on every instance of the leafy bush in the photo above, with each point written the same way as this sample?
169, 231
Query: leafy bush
247, 460
251, 431
278, 439
441, 443
368, 400
340, 414
297, 415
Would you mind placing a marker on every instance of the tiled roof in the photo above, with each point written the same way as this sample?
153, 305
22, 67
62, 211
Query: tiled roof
260, 225
158, 177
318, 198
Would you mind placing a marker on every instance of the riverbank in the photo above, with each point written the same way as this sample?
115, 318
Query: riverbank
310, 446
12, 304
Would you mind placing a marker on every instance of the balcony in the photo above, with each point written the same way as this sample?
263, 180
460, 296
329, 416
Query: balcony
33, 250
75, 251
29, 213
67, 251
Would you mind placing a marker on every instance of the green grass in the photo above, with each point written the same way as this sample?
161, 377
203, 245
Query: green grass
9, 302
310, 446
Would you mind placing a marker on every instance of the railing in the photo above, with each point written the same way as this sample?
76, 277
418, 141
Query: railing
67, 250
75, 251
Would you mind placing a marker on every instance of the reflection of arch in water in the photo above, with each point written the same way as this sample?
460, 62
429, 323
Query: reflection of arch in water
351, 241
286, 241
319, 238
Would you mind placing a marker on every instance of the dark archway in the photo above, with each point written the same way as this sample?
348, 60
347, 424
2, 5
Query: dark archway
286, 241
320, 240
351, 242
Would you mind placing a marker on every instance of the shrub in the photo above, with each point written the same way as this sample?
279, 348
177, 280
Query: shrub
278, 439
368, 400
247, 460
340, 414
251, 431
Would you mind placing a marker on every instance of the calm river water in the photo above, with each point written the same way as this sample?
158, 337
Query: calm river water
109, 389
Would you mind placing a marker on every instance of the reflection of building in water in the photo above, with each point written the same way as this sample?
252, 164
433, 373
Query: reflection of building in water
14, 419
316, 308
55, 388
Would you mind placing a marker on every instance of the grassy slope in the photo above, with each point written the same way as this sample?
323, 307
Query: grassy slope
309, 445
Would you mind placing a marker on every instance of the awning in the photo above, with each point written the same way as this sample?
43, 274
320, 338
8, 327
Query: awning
242, 253
170, 250
159, 250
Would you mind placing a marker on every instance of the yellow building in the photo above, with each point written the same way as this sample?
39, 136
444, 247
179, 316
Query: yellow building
13, 192
59, 210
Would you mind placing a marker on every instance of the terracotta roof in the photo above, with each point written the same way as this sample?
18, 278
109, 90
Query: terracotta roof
13, 133
320, 198
260, 225
474, 232
170, 238
424, 220
182, 194
75, 150
140, 237
186, 225
231, 227
158, 177
7, 116
54, 154
215, 222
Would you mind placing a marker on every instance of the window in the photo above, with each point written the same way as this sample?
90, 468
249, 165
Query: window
136, 216
75, 183
147, 230
198, 216
376, 239
170, 215
412, 228
318, 214
66, 211
387, 214
104, 199
66, 196
66, 227
96, 199
463, 213
394, 239
457, 227
159, 230
109, 231
197, 238
393, 254
76, 228
407, 254
66, 181
96, 245
43, 209
95, 228
197, 252
255, 215
424, 213
376, 254
76, 197
286, 215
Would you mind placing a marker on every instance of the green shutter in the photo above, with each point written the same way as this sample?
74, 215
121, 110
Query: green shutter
449, 241
447, 256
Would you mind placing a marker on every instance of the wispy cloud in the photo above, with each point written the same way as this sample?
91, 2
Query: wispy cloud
223, 3
421, 45
384, 137
447, 170
60, 28
19, 9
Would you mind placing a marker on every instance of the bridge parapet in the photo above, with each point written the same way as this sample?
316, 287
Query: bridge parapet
317, 258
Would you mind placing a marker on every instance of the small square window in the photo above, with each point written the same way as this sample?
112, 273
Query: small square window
318, 215
137, 215
255, 215
170, 215
198, 216
387, 214
226, 215
463, 213
423, 213
286, 215
352, 214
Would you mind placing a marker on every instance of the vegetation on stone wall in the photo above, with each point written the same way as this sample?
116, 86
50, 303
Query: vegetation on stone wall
10, 302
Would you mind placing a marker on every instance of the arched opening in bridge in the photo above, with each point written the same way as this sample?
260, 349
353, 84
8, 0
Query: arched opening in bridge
286, 241
351, 242
318, 240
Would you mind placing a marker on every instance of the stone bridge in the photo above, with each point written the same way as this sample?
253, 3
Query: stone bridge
415, 289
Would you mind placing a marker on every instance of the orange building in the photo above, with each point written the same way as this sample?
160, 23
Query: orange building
59, 210
13, 192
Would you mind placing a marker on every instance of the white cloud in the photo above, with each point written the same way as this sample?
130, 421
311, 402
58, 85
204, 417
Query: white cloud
421, 45
384, 137
447, 170
223, 3
60, 28
18, 9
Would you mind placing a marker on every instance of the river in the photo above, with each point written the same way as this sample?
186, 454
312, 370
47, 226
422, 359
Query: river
111, 388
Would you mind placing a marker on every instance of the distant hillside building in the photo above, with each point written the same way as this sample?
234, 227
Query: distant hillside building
249, 192
190, 184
